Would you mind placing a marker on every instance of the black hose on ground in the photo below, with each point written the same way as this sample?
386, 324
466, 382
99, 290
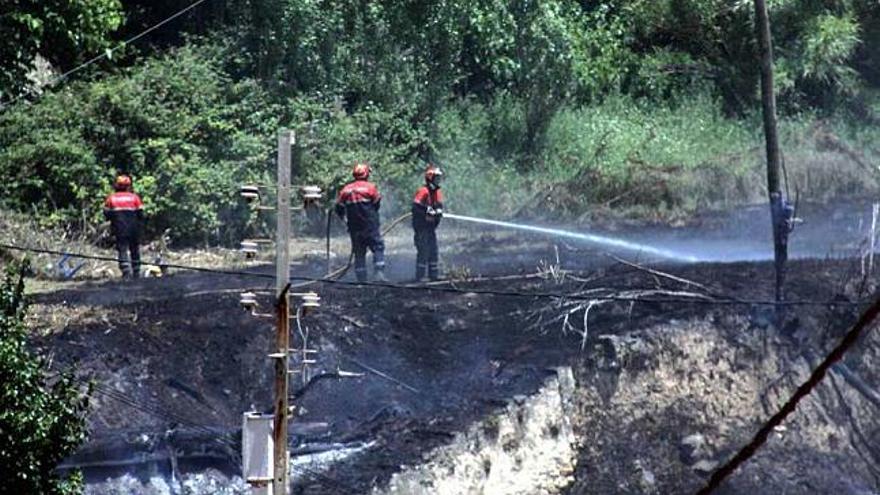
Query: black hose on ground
341, 271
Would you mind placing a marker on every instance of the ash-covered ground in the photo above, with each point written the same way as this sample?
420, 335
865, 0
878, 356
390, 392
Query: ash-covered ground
665, 391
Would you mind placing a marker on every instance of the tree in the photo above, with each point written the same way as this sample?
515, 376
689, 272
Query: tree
64, 32
178, 123
816, 46
40, 423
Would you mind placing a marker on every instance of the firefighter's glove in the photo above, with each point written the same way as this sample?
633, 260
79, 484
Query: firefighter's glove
431, 215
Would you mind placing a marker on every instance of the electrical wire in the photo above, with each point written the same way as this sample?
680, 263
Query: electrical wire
218, 438
720, 301
850, 339
717, 478
106, 54
150, 409
324, 480
157, 412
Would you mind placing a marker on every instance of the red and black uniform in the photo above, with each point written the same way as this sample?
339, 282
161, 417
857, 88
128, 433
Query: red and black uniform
125, 211
358, 202
427, 211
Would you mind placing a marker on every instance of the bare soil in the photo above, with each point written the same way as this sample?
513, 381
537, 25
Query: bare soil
649, 375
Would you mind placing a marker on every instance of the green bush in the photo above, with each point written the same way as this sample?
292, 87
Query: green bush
186, 132
330, 140
617, 136
538, 105
40, 424
481, 170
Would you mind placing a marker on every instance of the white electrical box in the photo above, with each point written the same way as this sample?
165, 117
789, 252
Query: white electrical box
257, 452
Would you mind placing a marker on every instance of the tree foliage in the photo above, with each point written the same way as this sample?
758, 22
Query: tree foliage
382, 80
422, 51
64, 32
186, 132
40, 423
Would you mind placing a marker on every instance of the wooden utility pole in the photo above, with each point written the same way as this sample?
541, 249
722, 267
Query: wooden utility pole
778, 207
281, 482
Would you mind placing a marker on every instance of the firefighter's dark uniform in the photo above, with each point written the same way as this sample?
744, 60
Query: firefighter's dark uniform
358, 202
425, 224
125, 211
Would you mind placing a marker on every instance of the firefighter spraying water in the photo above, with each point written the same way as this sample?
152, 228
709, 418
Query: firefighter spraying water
427, 211
612, 242
358, 203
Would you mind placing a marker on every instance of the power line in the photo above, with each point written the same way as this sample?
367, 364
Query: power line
717, 478
108, 53
722, 300
56, 252
165, 415
325, 480
215, 437
808, 386
149, 409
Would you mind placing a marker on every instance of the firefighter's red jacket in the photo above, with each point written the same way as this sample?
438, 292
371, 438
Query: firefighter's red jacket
426, 197
359, 202
125, 210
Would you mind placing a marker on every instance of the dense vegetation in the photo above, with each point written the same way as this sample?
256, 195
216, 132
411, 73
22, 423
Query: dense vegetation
40, 423
555, 103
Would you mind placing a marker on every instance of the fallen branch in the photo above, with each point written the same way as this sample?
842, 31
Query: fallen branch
857, 383
658, 273
338, 374
481, 279
353, 321
599, 296
385, 376
585, 332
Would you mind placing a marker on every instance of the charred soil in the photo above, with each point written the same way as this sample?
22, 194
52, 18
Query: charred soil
666, 389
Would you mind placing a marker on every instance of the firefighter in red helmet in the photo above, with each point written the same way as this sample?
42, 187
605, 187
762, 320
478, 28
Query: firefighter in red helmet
358, 202
125, 211
427, 211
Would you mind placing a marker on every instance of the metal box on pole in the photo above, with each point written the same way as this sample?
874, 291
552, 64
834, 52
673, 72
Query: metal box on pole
257, 448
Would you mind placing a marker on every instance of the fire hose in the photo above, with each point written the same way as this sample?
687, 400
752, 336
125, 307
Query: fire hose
341, 271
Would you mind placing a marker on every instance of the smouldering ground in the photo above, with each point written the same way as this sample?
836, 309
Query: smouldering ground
649, 374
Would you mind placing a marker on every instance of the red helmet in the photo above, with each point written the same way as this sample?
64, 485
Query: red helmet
361, 171
122, 183
433, 174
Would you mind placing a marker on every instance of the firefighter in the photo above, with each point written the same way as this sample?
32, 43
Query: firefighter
125, 211
358, 203
427, 211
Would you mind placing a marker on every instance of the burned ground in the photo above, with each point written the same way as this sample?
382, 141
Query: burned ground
665, 391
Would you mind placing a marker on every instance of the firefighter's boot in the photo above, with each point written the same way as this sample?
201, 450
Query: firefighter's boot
434, 271
421, 272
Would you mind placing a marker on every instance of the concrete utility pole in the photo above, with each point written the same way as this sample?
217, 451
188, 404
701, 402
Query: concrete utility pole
281, 482
780, 212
